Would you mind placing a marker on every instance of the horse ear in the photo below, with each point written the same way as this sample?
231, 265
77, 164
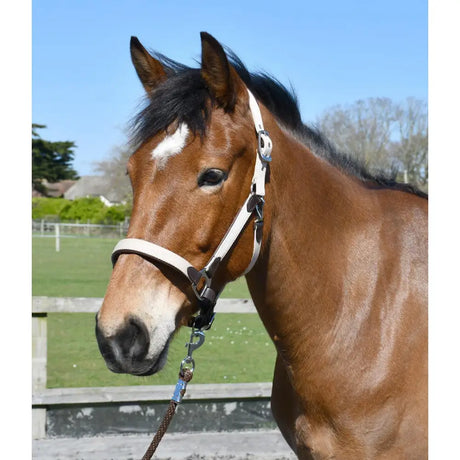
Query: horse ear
149, 70
220, 77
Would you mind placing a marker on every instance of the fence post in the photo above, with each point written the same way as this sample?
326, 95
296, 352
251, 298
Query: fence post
58, 239
39, 351
42, 227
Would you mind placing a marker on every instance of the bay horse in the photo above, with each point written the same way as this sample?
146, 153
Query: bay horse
335, 261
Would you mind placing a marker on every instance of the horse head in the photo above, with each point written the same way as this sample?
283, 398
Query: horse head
191, 172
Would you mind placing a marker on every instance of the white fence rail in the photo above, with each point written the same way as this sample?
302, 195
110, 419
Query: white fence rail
43, 398
45, 228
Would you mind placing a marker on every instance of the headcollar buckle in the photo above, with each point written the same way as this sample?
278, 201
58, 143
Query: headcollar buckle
264, 145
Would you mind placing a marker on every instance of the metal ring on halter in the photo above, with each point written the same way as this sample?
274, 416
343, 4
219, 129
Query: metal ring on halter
260, 210
207, 283
264, 145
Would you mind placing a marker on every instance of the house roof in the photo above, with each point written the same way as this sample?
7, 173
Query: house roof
55, 189
94, 186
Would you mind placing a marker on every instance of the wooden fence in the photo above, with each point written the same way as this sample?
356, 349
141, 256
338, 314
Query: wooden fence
45, 398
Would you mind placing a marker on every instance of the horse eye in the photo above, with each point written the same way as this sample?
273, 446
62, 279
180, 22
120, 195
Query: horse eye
211, 177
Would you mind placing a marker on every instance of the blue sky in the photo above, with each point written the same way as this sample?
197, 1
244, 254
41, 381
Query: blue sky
85, 89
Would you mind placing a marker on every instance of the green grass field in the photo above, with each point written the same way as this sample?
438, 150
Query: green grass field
237, 348
82, 268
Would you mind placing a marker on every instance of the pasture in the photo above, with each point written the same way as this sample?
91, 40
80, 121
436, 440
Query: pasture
237, 348
82, 268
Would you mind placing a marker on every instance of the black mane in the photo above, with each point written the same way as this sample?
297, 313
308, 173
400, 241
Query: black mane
184, 98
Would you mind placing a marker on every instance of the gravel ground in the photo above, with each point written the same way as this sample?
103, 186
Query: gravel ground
247, 445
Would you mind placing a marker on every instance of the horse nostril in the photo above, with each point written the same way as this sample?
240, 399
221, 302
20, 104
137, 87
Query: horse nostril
130, 344
133, 341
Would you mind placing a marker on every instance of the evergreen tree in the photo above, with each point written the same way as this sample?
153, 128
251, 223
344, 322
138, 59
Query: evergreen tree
50, 160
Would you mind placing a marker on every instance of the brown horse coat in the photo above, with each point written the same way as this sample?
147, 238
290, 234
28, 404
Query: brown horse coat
340, 284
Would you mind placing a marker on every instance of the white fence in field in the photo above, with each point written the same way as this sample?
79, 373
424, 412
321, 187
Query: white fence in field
58, 230
45, 398
45, 228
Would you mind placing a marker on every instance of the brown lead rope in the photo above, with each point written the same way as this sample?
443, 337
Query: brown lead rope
168, 416
185, 375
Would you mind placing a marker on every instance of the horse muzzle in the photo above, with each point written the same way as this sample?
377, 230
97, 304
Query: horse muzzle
128, 349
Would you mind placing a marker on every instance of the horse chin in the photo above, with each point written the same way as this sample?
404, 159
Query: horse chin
157, 365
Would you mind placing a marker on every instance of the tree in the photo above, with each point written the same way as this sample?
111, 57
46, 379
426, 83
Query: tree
114, 169
51, 161
384, 135
411, 151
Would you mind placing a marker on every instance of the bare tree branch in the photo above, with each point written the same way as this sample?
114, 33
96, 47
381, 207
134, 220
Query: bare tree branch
385, 136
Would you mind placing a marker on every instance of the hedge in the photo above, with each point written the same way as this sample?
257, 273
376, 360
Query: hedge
48, 208
91, 210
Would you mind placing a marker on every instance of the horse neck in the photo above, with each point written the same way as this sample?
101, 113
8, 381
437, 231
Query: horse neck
297, 283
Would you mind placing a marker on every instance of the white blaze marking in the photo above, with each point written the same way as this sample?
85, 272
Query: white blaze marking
158, 310
171, 145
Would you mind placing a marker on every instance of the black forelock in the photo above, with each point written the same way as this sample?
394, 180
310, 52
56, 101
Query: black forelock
184, 98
